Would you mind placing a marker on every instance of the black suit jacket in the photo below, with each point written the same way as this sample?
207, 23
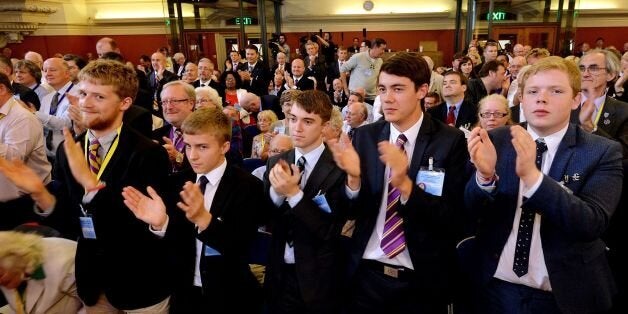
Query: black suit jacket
343, 98
176, 67
287, 67
431, 223
305, 83
571, 222
613, 122
213, 84
515, 112
26, 94
316, 236
317, 70
139, 119
126, 262
468, 115
260, 78
155, 88
158, 136
237, 209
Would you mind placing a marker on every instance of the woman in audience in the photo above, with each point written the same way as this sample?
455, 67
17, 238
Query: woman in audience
261, 142
207, 97
334, 128
231, 83
281, 126
494, 112
466, 67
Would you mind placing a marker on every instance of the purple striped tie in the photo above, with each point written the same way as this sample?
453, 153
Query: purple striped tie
94, 160
393, 238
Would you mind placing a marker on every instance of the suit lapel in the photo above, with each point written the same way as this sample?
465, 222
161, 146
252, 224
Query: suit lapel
380, 167
422, 140
223, 192
563, 154
608, 113
320, 172
122, 151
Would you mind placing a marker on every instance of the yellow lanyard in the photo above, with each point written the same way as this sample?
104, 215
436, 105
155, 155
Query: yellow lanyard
599, 113
109, 153
20, 305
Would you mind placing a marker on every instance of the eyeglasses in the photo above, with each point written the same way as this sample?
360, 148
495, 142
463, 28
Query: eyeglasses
202, 100
278, 151
593, 69
168, 102
496, 114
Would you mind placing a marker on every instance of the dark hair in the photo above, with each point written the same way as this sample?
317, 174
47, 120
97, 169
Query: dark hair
7, 62
145, 58
378, 42
434, 95
80, 62
4, 80
111, 55
366, 42
463, 79
316, 102
252, 47
491, 66
459, 55
408, 65
223, 78
32, 68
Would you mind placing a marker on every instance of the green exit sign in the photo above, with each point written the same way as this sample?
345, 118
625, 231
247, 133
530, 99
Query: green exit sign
242, 21
498, 16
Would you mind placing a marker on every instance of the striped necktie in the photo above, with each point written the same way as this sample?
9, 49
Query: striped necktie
393, 238
94, 160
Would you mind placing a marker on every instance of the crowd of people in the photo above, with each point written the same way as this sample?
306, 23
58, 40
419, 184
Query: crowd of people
328, 180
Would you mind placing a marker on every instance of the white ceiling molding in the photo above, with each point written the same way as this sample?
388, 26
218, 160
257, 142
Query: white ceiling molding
23, 17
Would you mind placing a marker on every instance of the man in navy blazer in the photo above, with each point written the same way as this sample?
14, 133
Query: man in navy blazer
465, 113
552, 259
416, 275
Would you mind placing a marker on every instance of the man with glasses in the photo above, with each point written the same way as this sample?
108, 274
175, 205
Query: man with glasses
177, 100
279, 144
599, 113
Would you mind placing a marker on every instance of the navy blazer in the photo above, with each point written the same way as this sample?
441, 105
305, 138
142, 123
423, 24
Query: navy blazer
613, 122
574, 214
432, 224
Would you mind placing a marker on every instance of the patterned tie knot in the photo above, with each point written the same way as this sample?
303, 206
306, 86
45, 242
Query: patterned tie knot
202, 183
452, 109
401, 140
301, 163
94, 159
541, 148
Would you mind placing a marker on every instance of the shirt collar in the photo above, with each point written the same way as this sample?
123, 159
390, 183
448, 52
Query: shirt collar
65, 88
411, 133
312, 157
214, 175
458, 104
553, 140
105, 140
6, 107
597, 101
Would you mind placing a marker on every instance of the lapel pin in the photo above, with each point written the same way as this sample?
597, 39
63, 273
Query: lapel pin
575, 177
606, 114
607, 121
566, 178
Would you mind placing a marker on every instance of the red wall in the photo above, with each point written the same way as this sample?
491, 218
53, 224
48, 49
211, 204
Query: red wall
131, 46
615, 36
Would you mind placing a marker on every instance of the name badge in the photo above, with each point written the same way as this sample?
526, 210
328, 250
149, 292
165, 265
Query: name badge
431, 179
321, 201
210, 251
87, 227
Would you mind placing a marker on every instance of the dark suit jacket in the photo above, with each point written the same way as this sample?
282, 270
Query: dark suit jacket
475, 91
431, 223
305, 83
571, 223
158, 135
237, 207
613, 122
155, 88
126, 262
515, 112
26, 94
317, 70
139, 119
176, 68
468, 114
343, 98
287, 67
260, 78
316, 235
333, 72
213, 84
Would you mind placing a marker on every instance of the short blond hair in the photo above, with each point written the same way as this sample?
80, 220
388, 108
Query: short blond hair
113, 73
21, 251
208, 120
555, 63
267, 114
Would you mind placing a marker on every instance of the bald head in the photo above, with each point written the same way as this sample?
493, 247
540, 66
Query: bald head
57, 72
519, 51
35, 58
105, 45
251, 102
516, 64
279, 144
158, 60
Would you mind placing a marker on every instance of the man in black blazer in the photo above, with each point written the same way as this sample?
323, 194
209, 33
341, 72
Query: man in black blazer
544, 194
299, 80
316, 65
463, 113
402, 248
254, 73
121, 257
206, 76
599, 113
157, 79
306, 268
211, 224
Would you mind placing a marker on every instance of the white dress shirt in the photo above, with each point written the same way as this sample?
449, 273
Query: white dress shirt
214, 177
537, 276
373, 250
56, 122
